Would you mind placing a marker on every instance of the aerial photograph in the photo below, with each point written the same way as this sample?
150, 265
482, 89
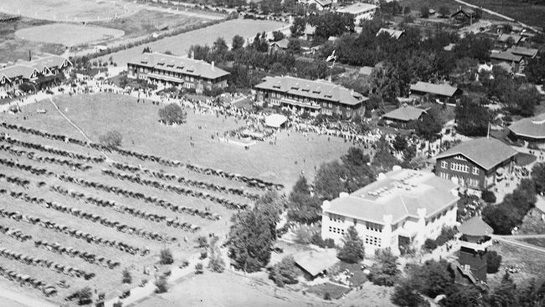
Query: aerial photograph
226, 153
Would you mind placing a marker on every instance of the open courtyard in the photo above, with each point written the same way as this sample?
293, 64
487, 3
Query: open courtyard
53, 194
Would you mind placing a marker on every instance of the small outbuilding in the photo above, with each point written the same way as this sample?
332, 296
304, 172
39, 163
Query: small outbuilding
275, 120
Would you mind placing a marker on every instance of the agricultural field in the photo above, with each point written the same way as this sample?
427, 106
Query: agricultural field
179, 44
52, 195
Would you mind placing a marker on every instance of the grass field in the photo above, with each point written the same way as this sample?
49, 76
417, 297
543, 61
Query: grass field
13, 48
532, 263
519, 10
138, 123
68, 34
180, 44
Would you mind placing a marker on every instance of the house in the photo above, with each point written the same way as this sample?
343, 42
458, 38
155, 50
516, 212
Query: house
391, 32
42, 72
438, 91
505, 38
171, 70
529, 53
312, 96
366, 71
529, 129
315, 263
505, 56
474, 239
463, 15
359, 11
403, 116
400, 210
280, 45
309, 32
476, 164
275, 120
321, 4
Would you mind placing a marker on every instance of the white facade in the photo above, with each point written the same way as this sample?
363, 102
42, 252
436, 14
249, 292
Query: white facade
360, 11
381, 230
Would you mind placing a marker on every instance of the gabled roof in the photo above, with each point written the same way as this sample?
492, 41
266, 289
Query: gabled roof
485, 152
324, 3
436, 89
464, 11
399, 194
392, 32
366, 70
475, 226
282, 44
530, 127
309, 29
316, 89
315, 262
523, 51
405, 113
179, 64
505, 37
356, 8
505, 56
25, 69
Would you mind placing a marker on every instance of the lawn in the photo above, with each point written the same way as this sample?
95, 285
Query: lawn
68, 34
179, 44
532, 263
535, 241
519, 10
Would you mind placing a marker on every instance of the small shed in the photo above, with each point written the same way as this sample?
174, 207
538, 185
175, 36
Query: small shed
315, 262
275, 120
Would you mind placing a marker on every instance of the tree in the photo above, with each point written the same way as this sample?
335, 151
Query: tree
493, 262
535, 70
285, 272
432, 278
146, 50
294, 46
488, 196
165, 256
405, 294
538, 176
161, 284
252, 235
298, 26
523, 100
424, 12
429, 126
384, 271
384, 160
471, 118
352, 250
84, 296
505, 293
303, 207
111, 139
328, 182
277, 35
238, 42
172, 114
400, 143
220, 48
303, 235
127, 278
444, 11
463, 295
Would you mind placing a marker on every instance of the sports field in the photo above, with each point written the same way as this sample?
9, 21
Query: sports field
68, 34
44, 183
180, 44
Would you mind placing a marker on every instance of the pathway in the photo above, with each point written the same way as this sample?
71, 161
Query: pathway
513, 241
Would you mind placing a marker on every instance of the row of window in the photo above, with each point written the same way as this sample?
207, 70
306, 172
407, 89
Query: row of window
336, 218
301, 99
373, 226
371, 240
336, 230
459, 167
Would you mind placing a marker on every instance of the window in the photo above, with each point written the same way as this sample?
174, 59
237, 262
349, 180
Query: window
475, 170
444, 164
459, 167
474, 183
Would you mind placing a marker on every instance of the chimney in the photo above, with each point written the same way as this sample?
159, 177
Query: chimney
213, 65
329, 78
191, 55
29, 55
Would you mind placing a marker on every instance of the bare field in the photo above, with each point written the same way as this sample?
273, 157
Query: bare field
180, 44
68, 34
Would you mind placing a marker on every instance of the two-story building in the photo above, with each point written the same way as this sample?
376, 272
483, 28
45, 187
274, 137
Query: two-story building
313, 96
441, 92
41, 72
176, 71
476, 164
401, 209
359, 11
403, 116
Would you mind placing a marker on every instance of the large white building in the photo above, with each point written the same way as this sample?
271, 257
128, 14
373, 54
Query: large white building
360, 11
401, 207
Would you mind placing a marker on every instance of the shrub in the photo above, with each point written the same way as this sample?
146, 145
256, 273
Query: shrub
317, 240
488, 196
327, 296
204, 254
161, 284
199, 268
329, 243
284, 272
127, 278
303, 235
111, 139
493, 262
352, 250
84, 296
447, 234
165, 257
430, 244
